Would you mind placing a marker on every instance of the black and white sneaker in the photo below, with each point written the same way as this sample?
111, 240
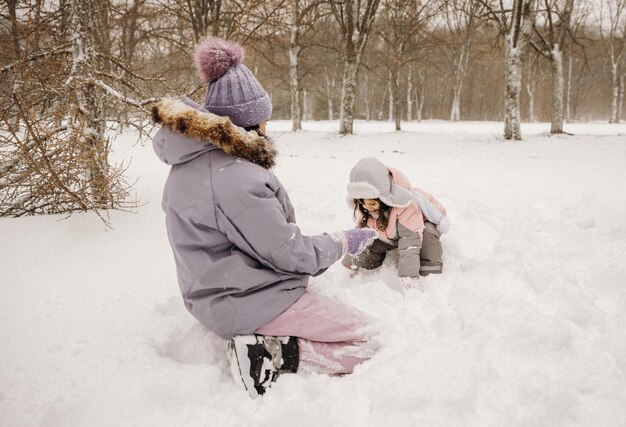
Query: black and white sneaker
258, 360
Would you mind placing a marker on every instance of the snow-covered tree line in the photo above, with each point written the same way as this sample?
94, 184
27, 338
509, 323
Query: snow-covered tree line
74, 71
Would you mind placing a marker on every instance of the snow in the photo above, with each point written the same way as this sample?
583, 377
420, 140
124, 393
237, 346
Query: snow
526, 326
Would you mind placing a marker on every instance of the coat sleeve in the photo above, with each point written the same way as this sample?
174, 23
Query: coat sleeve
411, 218
283, 197
257, 222
409, 248
432, 200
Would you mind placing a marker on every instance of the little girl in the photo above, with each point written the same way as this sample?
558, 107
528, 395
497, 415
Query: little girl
405, 218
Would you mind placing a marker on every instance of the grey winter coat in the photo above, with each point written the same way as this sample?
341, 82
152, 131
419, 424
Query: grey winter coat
240, 258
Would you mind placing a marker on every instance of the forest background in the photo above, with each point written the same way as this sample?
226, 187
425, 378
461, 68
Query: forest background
72, 71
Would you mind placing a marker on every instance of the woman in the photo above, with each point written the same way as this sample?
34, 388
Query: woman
243, 265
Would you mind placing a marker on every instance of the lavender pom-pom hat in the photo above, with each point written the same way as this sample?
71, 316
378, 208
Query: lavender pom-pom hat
233, 89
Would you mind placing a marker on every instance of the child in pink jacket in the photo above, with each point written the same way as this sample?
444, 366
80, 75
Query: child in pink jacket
405, 218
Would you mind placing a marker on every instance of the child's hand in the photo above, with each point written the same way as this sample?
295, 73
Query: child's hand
354, 270
407, 283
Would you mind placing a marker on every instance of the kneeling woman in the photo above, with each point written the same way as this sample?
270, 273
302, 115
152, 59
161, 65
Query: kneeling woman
243, 265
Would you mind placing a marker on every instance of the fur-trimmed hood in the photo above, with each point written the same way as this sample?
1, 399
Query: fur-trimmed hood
202, 131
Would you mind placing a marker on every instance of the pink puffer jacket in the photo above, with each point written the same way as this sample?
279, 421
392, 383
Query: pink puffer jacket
410, 217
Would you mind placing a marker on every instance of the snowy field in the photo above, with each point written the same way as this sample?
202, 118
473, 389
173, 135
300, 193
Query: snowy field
525, 327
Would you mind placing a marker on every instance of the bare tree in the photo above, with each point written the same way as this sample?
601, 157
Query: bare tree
568, 90
204, 16
517, 39
420, 94
42, 168
532, 80
355, 19
550, 43
331, 82
403, 26
610, 17
461, 20
409, 93
516, 24
56, 159
131, 35
303, 14
89, 107
15, 37
392, 98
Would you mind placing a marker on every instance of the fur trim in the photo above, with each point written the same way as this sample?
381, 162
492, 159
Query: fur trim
220, 131
214, 57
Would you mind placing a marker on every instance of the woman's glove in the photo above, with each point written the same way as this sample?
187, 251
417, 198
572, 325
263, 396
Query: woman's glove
355, 240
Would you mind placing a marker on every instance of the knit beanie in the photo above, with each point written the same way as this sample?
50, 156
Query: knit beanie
233, 89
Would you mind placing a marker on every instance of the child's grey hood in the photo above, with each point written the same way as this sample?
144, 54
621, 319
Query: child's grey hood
371, 179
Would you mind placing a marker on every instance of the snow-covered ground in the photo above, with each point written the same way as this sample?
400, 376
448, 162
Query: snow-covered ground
527, 325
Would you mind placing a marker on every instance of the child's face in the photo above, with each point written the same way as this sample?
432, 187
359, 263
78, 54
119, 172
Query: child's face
371, 205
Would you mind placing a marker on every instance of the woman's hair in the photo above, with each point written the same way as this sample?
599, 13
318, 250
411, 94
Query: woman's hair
257, 129
361, 215
253, 127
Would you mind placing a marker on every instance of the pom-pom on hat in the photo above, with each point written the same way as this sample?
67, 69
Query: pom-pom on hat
233, 89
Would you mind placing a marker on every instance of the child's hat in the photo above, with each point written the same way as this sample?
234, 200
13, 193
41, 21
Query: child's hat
233, 89
370, 179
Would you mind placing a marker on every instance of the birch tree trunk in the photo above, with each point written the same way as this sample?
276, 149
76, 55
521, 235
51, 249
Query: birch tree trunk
554, 52
355, 19
516, 45
330, 90
531, 102
557, 91
294, 52
513, 81
614, 118
568, 91
620, 100
296, 114
556, 57
348, 92
89, 114
395, 86
455, 113
392, 96
460, 71
305, 105
420, 105
420, 95
531, 84
368, 112
615, 40
381, 110
409, 94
